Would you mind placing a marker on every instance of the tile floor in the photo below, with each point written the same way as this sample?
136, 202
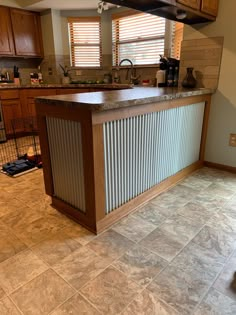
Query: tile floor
176, 255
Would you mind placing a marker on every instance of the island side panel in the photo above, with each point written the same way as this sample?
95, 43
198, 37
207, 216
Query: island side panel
74, 116
195, 119
142, 151
66, 153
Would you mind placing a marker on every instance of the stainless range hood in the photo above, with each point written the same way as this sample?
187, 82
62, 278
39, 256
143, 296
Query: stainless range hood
169, 9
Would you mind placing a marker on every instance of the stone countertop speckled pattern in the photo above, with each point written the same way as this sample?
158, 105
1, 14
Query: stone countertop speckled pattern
7, 86
107, 100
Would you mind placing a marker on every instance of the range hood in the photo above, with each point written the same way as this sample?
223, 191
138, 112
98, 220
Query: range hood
169, 9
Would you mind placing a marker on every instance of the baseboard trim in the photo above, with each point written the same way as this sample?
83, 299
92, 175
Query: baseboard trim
222, 167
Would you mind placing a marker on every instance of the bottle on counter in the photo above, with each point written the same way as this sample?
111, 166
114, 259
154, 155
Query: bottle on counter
40, 76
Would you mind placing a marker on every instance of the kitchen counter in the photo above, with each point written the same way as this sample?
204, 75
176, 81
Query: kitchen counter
65, 86
107, 153
101, 101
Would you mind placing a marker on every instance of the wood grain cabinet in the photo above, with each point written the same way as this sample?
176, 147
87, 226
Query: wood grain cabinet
20, 33
205, 6
27, 33
28, 102
6, 37
194, 4
210, 7
11, 108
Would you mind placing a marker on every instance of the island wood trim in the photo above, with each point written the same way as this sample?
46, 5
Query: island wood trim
222, 167
205, 127
63, 112
99, 171
45, 153
88, 166
100, 117
140, 200
75, 214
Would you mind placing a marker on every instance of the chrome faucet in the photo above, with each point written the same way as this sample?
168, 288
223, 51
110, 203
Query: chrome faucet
127, 73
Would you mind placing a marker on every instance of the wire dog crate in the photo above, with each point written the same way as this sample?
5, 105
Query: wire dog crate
25, 142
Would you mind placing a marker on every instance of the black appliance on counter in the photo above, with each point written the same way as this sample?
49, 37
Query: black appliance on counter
171, 67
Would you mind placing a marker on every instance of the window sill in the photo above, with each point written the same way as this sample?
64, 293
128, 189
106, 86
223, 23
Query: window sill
137, 66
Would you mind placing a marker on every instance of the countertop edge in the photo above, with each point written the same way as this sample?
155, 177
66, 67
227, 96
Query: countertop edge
107, 100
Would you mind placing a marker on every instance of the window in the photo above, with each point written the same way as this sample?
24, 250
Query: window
141, 37
85, 42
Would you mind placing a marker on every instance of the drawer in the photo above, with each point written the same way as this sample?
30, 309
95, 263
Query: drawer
31, 93
9, 94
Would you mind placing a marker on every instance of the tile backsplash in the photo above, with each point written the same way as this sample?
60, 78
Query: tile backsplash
52, 72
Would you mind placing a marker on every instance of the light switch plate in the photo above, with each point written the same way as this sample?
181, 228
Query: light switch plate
232, 139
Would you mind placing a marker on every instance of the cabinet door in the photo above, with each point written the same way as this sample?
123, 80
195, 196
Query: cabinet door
27, 33
194, 4
11, 110
27, 100
210, 7
6, 38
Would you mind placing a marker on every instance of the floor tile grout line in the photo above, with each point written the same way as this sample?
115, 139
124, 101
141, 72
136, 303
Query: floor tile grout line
90, 302
21, 286
18, 309
61, 304
209, 288
170, 262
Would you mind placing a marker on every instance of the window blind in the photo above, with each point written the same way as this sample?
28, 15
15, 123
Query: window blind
85, 41
139, 37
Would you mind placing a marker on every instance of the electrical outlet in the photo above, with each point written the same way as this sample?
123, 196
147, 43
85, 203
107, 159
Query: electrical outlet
78, 72
232, 139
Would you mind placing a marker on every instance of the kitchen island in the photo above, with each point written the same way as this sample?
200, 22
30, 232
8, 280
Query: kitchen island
107, 153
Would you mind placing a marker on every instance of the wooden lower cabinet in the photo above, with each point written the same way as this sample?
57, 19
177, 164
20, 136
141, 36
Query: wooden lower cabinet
27, 100
11, 110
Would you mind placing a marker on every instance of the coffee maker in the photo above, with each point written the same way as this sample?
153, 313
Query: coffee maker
171, 68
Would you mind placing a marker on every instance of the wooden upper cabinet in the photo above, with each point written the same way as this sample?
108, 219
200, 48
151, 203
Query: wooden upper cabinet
6, 38
194, 4
210, 7
27, 33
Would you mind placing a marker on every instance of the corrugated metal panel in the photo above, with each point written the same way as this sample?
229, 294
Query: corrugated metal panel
142, 151
66, 154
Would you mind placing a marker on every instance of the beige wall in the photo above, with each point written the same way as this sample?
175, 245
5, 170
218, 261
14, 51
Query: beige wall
223, 111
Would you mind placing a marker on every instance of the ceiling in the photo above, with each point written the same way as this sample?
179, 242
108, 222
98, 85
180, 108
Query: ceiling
41, 5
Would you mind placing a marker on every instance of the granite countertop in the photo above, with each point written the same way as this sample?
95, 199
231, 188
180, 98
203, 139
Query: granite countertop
6, 86
101, 101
